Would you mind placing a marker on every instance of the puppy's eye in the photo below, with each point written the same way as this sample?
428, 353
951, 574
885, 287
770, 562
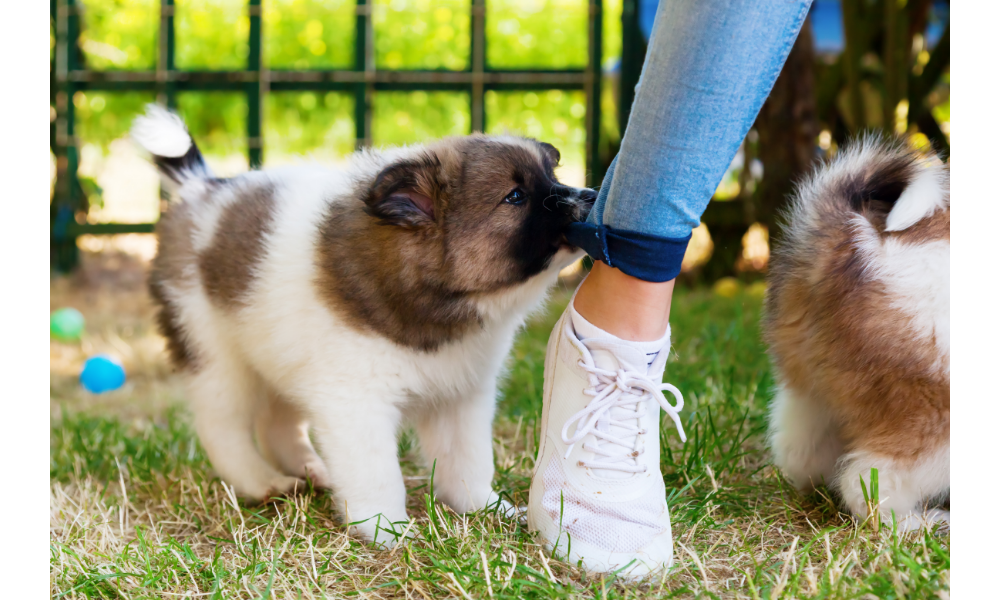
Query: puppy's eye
517, 196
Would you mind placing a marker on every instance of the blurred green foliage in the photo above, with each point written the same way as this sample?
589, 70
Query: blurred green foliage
941, 99
217, 120
409, 117
319, 34
309, 34
105, 116
611, 30
538, 34
422, 34
120, 34
298, 121
211, 35
554, 116
942, 112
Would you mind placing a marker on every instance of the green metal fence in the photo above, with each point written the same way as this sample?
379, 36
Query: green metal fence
68, 220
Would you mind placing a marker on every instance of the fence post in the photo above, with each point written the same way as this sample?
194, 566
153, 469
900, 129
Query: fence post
165, 85
63, 253
594, 167
633, 55
896, 60
477, 65
364, 62
854, 48
253, 86
53, 16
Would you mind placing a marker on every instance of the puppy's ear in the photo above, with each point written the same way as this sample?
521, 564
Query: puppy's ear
551, 152
406, 193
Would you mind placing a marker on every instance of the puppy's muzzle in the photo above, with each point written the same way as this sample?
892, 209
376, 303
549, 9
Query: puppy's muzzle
584, 202
575, 203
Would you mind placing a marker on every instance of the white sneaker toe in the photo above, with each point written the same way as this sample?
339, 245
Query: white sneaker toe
631, 566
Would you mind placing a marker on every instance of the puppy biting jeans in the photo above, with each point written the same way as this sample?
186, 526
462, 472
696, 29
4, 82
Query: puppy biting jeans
311, 303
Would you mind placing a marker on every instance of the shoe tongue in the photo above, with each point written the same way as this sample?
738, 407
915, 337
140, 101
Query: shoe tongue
612, 355
611, 352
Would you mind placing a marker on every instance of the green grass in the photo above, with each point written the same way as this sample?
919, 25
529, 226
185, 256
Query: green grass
137, 513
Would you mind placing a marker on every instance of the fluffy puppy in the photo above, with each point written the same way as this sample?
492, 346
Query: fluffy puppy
857, 322
339, 303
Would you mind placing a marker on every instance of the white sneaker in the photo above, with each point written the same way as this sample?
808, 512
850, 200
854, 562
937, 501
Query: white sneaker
597, 494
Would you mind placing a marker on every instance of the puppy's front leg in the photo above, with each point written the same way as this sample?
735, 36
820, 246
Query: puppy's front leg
357, 439
458, 437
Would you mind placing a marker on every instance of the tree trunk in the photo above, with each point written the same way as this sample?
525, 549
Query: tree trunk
787, 127
897, 45
854, 48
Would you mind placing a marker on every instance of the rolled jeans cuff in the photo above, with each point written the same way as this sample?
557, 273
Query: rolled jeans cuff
643, 256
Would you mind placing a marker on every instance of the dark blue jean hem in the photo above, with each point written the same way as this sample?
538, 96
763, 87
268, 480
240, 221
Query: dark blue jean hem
643, 256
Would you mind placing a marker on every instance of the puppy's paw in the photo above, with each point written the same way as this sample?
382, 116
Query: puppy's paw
283, 487
266, 490
505, 508
315, 471
929, 519
382, 532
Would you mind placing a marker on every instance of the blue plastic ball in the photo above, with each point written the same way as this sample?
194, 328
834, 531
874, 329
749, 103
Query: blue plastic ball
102, 373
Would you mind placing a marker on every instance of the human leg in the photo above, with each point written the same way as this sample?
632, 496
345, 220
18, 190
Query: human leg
642, 318
709, 67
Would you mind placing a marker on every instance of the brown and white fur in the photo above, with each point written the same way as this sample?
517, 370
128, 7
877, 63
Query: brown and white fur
857, 323
310, 303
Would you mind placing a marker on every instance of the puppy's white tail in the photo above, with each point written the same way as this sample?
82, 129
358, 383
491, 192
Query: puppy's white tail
889, 183
163, 134
924, 194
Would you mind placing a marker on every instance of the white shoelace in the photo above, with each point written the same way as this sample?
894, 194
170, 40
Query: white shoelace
625, 390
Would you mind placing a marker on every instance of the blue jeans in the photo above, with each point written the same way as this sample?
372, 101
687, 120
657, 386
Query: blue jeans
709, 67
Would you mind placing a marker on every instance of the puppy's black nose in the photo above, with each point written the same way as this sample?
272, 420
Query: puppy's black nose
588, 196
582, 201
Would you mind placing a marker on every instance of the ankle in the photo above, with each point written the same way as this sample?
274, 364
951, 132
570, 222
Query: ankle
624, 306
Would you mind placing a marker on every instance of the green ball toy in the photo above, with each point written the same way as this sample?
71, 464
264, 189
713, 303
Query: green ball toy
66, 324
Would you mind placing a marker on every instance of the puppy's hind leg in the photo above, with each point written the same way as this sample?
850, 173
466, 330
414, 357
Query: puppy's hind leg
903, 487
804, 439
225, 394
283, 436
